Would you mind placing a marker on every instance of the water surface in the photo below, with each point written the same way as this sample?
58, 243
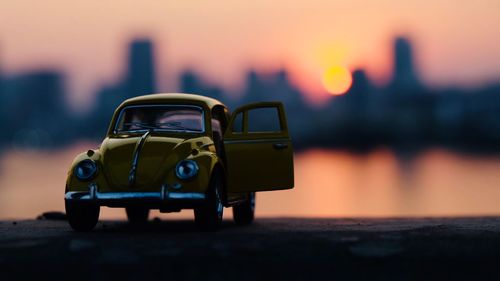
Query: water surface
329, 183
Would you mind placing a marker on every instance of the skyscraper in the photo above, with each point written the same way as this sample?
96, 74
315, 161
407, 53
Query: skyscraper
189, 82
404, 76
34, 104
140, 78
2, 107
360, 89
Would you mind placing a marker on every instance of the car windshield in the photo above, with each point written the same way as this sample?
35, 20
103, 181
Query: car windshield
160, 118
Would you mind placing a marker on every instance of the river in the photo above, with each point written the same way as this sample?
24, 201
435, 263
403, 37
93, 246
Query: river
328, 183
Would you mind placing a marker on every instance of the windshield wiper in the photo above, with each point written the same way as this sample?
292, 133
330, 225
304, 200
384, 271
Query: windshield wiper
175, 125
140, 125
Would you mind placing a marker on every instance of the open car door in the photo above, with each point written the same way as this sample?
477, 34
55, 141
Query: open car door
258, 149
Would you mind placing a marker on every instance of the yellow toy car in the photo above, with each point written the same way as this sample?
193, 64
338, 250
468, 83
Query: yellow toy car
182, 151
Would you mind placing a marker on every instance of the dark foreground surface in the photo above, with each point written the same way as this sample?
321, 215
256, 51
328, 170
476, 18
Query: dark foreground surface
281, 248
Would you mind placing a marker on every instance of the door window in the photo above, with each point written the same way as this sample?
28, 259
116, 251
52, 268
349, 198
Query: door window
264, 120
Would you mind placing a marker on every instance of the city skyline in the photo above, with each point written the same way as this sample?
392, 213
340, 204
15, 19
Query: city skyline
405, 111
403, 71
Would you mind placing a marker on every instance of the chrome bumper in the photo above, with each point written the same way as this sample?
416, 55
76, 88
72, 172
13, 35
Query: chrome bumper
125, 198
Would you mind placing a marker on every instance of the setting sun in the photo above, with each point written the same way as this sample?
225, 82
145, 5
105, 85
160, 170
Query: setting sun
337, 80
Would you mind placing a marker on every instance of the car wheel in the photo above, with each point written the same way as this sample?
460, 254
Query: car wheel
82, 216
244, 213
208, 217
137, 215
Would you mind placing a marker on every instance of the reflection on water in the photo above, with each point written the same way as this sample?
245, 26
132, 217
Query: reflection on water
328, 183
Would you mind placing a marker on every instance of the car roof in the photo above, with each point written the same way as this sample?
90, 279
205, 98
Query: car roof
173, 97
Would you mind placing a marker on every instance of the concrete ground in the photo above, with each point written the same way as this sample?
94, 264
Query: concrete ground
278, 248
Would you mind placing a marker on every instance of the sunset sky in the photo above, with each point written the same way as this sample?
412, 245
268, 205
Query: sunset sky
456, 42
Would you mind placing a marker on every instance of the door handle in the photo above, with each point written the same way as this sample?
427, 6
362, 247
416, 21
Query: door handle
281, 145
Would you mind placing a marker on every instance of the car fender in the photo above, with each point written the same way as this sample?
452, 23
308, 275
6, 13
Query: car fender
74, 184
207, 161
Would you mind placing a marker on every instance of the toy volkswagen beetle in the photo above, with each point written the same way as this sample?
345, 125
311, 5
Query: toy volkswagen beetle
182, 151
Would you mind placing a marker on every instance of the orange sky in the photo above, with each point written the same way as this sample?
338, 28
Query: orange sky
456, 41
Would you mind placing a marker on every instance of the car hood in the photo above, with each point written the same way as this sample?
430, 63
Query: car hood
156, 156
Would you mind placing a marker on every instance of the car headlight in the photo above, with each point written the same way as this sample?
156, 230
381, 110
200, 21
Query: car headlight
186, 169
85, 170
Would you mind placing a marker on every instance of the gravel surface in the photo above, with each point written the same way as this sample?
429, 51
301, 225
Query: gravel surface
278, 248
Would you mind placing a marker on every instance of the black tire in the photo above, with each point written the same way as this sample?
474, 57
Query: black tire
137, 214
243, 214
82, 216
208, 217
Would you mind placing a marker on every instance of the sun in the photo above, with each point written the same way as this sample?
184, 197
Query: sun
337, 80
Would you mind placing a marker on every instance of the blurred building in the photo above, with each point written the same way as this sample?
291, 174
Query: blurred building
276, 86
34, 105
360, 91
271, 87
3, 135
139, 79
405, 112
404, 76
192, 83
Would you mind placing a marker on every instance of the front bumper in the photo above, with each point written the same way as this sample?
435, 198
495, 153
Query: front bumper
164, 200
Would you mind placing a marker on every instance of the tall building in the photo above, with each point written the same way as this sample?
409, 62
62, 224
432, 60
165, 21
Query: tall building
276, 86
140, 79
270, 87
2, 107
191, 83
360, 90
404, 76
34, 104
